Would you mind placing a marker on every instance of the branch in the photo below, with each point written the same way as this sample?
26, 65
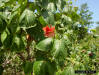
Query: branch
21, 56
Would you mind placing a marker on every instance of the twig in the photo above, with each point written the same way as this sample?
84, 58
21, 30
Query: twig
21, 56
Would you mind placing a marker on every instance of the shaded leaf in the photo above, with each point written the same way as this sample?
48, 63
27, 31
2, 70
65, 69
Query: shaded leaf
12, 16
57, 16
44, 68
28, 67
8, 41
2, 22
18, 43
1, 70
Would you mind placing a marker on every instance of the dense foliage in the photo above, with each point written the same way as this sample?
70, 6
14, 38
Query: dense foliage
46, 37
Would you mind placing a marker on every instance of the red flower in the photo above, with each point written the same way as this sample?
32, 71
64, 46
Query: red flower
49, 31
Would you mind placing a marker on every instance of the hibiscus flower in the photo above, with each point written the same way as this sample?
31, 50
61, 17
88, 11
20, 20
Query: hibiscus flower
49, 31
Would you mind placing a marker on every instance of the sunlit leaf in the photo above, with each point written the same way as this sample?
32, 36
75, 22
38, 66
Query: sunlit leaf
45, 45
3, 36
69, 71
27, 19
51, 7
59, 50
42, 20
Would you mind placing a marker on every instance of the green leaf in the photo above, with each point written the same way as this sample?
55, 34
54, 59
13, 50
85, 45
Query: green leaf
57, 16
60, 4
15, 8
66, 9
75, 16
59, 51
44, 68
44, 3
36, 67
1, 70
48, 17
6, 38
28, 67
8, 41
42, 20
14, 28
13, 16
6, 16
41, 3
51, 19
17, 40
18, 43
3, 36
51, 7
27, 19
59, 72
45, 45
13, 22
2, 22
66, 19
68, 71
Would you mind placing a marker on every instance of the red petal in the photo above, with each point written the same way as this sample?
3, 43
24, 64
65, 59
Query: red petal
49, 31
52, 29
44, 29
47, 28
